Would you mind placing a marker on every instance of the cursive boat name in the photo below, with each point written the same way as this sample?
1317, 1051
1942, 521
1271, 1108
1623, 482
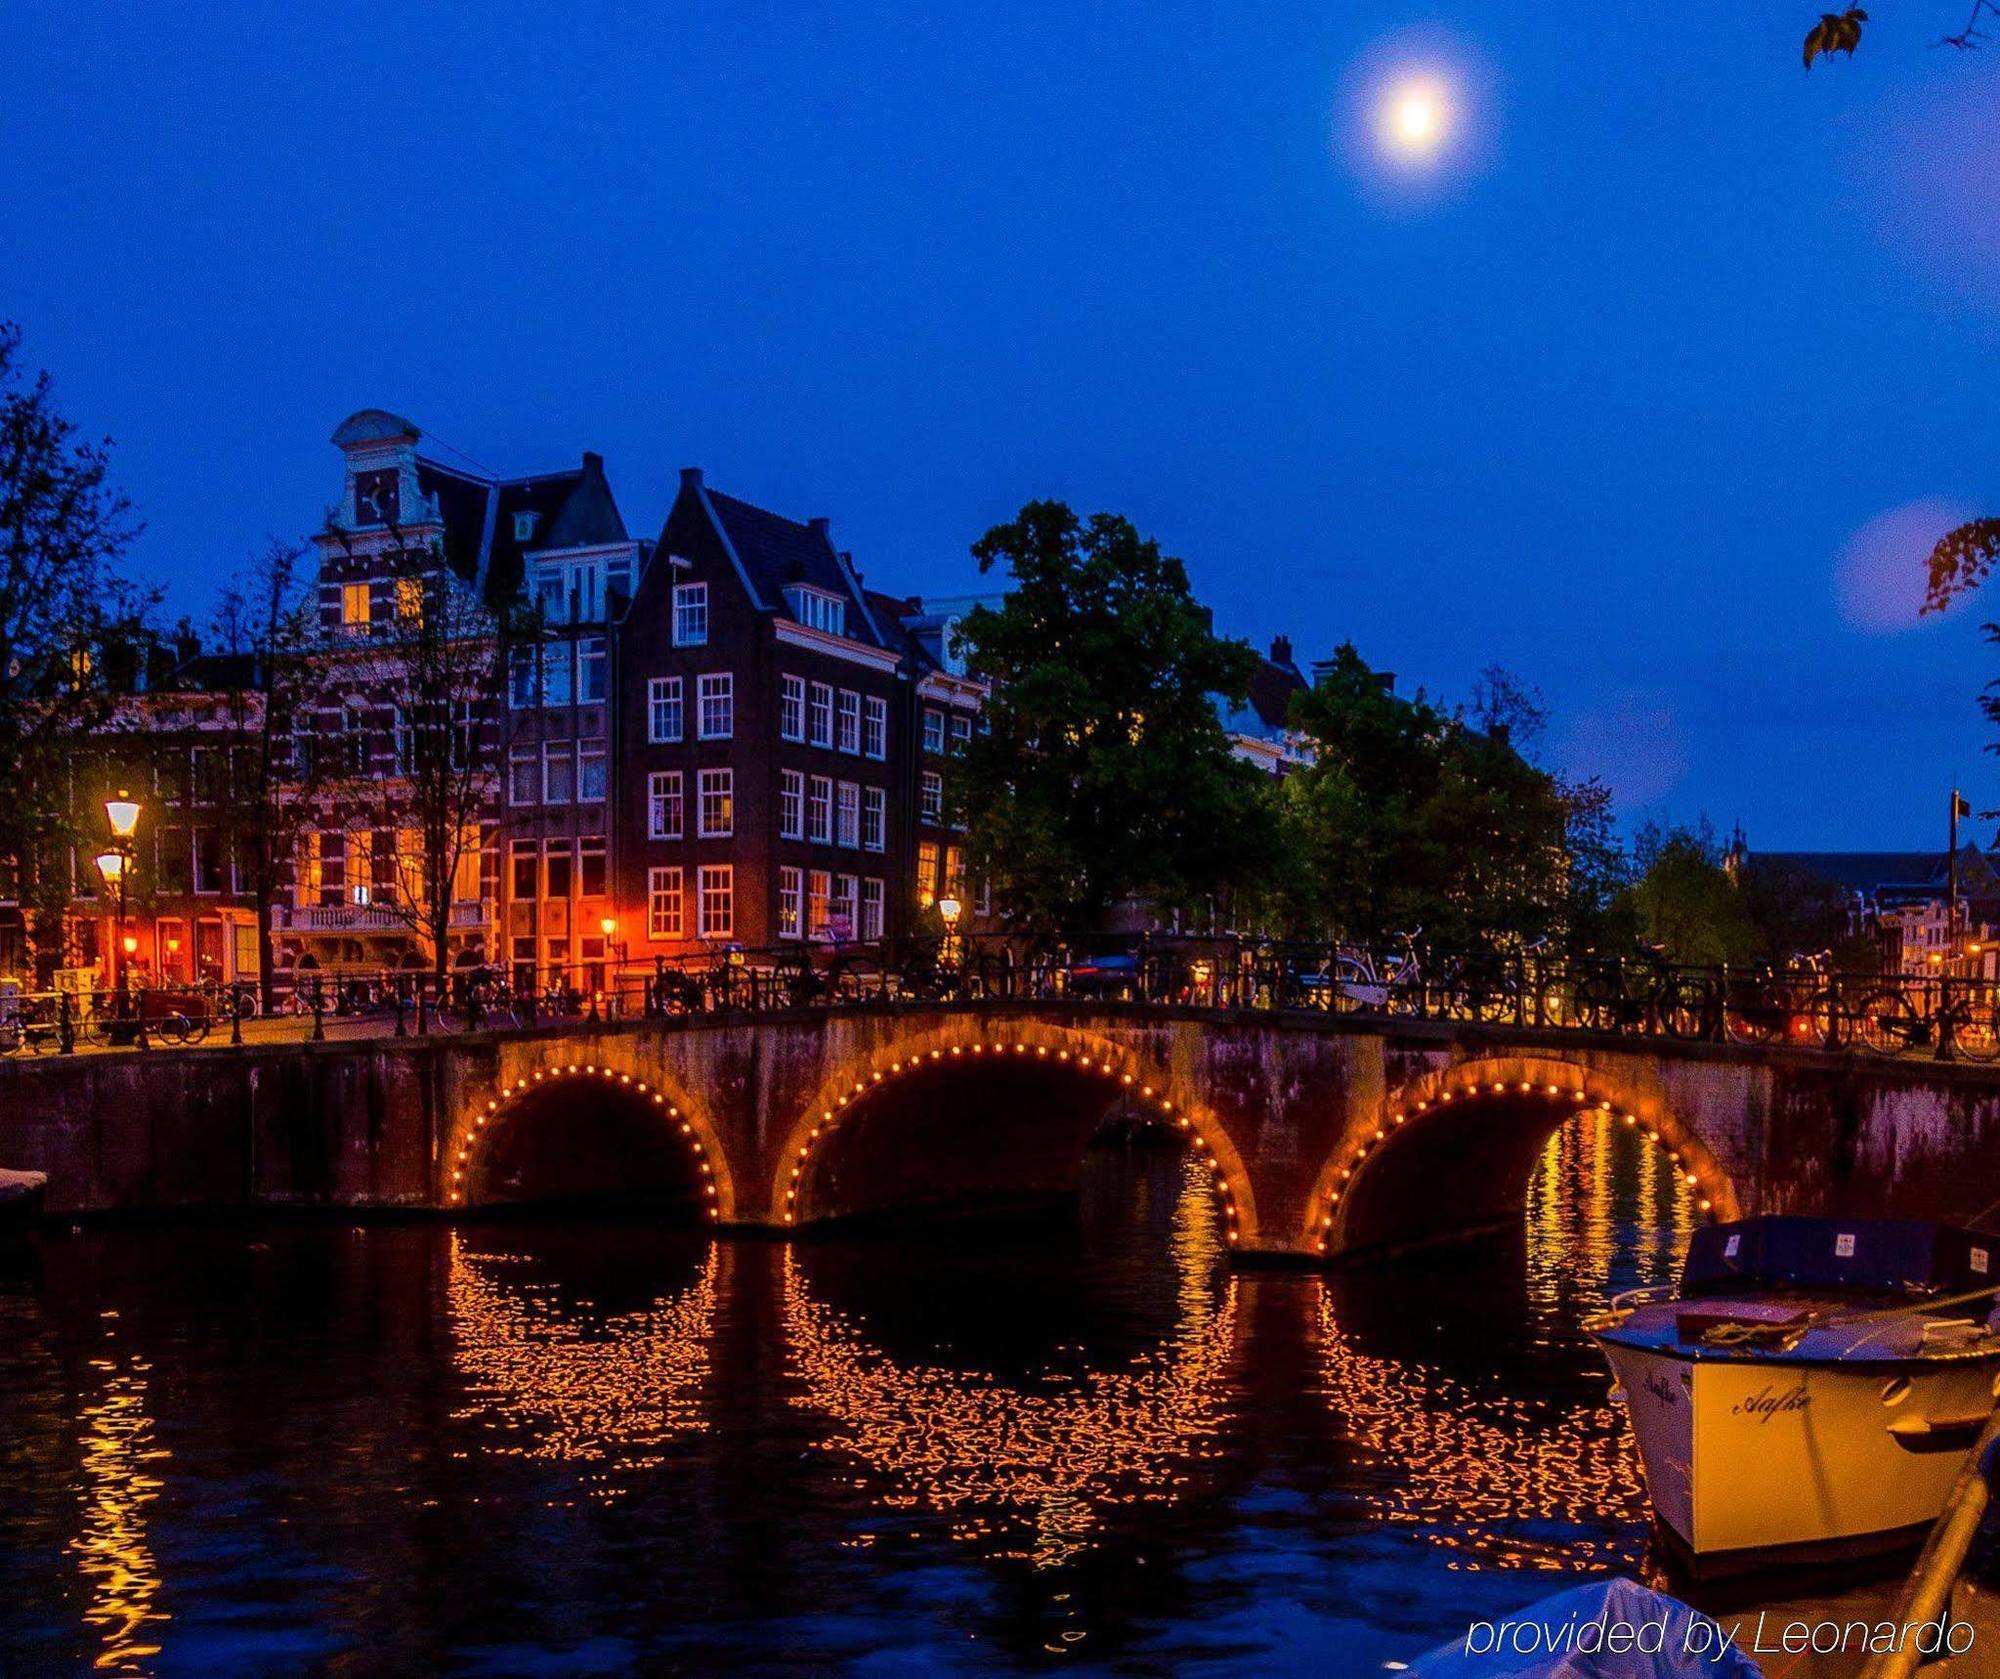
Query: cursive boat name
1765, 1404
1661, 1389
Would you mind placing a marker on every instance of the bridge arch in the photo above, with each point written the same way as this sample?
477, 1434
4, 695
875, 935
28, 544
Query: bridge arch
1465, 1137
655, 1105
969, 1047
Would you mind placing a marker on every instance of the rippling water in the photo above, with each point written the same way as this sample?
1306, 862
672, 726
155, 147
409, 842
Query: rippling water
566, 1448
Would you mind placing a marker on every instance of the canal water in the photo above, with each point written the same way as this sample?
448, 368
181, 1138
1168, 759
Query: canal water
602, 1447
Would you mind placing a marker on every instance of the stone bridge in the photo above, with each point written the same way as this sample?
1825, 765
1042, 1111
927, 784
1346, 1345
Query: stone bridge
1325, 1135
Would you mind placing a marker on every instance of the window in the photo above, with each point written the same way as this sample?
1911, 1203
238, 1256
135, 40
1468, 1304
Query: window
410, 599
847, 815
663, 709
558, 772
820, 714
927, 859
716, 883
932, 803
848, 735
715, 706
874, 805
590, 866
356, 603
524, 775
521, 676
717, 811
211, 775
591, 777
208, 860
558, 868
306, 870
791, 805
841, 920
524, 863
983, 901
791, 708
819, 887
954, 872
817, 610
592, 686
556, 687
874, 727
524, 527
933, 730
663, 805
663, 903
961, 728
791, 902
819, 810
690, 614
872, 899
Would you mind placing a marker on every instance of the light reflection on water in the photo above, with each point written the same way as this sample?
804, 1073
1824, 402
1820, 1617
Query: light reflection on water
541, 1447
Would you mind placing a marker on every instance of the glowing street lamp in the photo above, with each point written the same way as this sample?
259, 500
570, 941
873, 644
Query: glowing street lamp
950, 909
122, 813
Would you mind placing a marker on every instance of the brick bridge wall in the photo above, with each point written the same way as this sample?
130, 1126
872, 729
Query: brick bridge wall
1325, 1135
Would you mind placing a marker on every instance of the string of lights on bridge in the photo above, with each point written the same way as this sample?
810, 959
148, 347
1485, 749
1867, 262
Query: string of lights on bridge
1357, 1155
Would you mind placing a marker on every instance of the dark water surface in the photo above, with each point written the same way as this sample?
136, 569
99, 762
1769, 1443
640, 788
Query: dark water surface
604, 1448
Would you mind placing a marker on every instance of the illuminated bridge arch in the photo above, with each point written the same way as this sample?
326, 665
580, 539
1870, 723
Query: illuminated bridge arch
1017, 1057
642, 1112
1454, 1150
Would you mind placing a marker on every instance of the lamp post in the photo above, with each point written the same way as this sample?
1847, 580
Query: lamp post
950, 909
121, 815
614, 960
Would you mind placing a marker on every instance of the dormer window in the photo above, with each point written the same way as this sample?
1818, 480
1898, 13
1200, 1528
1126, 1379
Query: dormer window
524, 526
817, 610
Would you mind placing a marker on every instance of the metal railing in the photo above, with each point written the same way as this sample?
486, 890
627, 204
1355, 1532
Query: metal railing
1805, 1004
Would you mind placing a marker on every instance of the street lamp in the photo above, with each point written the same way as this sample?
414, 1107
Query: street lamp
121, 814
951, 909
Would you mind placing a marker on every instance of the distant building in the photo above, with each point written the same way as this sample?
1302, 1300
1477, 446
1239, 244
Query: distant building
1903, 900
1260, 730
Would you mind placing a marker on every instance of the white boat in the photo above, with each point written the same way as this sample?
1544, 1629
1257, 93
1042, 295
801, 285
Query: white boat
1811, 1388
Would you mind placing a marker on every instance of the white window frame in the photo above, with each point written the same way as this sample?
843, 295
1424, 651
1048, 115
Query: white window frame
874, 896
715, 900
791, 707
665, 715
819, 896
524, 755
819, 809
791, 902
874, 727
791, 804
847, 815
664, 801
555, 752
847, 722
666, 909
715, 787
690, 622
715, 705
874, 819
594, 657
590, 755
819, 714
934, 730
931, 799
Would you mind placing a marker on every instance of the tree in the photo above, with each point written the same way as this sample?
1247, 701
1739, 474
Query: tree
1685, 901
1104, 772
1795, 911
64, 613
433, 675
1412, 816
264, 628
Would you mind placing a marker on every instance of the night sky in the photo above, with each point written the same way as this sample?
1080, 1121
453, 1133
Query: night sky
1653, 385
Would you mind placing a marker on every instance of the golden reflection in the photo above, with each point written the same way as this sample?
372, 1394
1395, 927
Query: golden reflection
1030, 1471
1502, 1479
602, 1393
111, 1551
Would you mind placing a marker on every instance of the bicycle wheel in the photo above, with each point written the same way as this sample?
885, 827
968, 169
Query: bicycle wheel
1752, 1014
1682, 1006
170, 1028
1975, 1033
1885, 1024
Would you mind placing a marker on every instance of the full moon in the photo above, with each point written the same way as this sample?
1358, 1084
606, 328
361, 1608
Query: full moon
1414, 118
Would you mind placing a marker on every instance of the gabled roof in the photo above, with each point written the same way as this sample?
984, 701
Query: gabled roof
775, 552
573, 509
1907, 873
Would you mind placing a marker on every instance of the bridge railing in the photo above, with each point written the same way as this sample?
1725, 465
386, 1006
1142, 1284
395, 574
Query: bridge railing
1804, 1003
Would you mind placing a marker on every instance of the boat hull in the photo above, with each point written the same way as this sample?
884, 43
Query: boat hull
1793, 1458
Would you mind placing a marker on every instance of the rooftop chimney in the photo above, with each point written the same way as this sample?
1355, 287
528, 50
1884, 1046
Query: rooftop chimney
690, 477
1281, 650
819, 525
592, 461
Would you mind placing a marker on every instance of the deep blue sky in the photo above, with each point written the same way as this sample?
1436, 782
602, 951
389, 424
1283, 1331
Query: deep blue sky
1609, 412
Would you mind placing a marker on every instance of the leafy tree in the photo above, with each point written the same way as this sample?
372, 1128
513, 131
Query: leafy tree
66, 616
1104, 773
1685, 901
1410, 815
1796, 911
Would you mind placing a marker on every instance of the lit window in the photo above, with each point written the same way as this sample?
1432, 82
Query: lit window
717, 812
791, 805
791, 902
356, 605
819, 888
841, 919
791, 708
663, 709
690, 614
410, 599
663, 903
716, 883
715, 698
927, 862
663, 805
847, 737
820, 717
875, 727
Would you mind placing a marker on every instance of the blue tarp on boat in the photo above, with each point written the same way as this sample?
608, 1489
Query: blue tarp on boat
1616, 1629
